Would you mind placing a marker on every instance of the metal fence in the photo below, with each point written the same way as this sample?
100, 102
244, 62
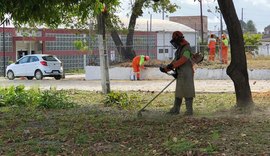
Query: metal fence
7, 60
74, 62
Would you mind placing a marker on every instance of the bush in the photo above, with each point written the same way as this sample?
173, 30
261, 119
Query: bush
19, 96
122, 100
53, 99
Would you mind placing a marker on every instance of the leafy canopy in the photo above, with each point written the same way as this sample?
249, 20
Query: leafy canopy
70, 13
252, 39
53, 12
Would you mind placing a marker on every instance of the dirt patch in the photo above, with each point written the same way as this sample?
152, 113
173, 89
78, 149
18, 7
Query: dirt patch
252, 62
150, 63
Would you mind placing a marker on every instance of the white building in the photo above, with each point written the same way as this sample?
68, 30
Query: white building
164, 30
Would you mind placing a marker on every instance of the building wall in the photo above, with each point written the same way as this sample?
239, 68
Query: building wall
9, 48
63, 46
165, 50
193, 22
155, 44
264, 49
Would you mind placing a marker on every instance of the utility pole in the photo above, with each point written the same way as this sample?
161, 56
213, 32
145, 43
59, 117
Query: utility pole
201, 20
147, 36
221, 32
4, 22
242, 19
163, 13
196, 44
104, 62
242, 14
4, 50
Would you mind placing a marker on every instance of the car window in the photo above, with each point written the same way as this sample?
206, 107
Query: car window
33, 59
49, 58
24, 60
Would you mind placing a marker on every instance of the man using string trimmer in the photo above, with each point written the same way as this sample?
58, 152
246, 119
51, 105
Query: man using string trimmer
183, 65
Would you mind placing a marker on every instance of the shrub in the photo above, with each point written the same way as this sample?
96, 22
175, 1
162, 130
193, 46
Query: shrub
53, 99
19, 96
121, 100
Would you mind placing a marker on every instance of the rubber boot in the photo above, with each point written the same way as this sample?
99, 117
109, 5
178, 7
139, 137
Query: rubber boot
189, 107
176, 107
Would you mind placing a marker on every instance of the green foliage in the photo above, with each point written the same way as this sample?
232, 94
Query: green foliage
54, 12
75, 71
209, 149
117, 132
122, 100
252, 41
19, 96
215, 135
53, 99
179, 146
81, 45
10, 62
2, 102
250, 27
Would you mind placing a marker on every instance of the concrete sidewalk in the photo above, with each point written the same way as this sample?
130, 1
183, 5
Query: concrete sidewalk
78, 82
154, 85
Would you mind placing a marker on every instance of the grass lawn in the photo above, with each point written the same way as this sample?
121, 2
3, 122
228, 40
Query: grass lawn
217, 128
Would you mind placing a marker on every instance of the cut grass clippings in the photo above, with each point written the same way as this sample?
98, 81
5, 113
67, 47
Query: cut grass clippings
93, 129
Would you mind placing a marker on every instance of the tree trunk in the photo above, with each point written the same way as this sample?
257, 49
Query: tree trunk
127, 51
131, 27
136, 12
119, 44
104, 61
237, 70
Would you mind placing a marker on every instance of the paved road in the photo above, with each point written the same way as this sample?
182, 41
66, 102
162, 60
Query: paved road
78, 82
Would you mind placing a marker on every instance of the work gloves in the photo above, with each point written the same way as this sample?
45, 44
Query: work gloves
165, 70
162, 69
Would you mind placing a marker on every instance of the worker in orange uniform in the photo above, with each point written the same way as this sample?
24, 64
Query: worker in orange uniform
137, 63
224, 49
212, 47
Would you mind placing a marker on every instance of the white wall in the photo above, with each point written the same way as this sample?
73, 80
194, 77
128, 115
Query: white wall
124, 73
163, 42
264, 49
190, 37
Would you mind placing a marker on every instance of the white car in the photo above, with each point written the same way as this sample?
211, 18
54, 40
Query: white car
36, 65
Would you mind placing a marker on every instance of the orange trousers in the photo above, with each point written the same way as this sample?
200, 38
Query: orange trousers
212, 52
224, 54
136, 70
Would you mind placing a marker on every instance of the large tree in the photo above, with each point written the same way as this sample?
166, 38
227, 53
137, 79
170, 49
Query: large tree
137, 10
237, 70
251, 27
55, 12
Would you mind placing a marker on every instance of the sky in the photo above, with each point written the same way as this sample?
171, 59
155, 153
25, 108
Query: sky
256, 10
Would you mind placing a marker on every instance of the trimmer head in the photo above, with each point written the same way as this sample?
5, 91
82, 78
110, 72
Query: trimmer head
139, 115
143, 109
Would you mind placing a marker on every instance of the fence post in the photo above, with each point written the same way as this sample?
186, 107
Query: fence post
84, 61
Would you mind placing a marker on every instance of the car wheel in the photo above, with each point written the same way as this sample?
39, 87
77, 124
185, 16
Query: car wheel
38, 75
10, 75
58, 77
30, 77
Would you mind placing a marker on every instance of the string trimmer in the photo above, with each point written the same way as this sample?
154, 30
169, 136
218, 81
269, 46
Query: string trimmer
171, 74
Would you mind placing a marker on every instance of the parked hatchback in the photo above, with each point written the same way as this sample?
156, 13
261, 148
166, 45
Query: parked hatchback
36, 65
